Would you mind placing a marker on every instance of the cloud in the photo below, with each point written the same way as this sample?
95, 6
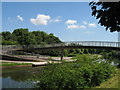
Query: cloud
82, 26
91, 25
71, 22
57, 19
72, 26
76, 27
20, 18
84, 22
41, 19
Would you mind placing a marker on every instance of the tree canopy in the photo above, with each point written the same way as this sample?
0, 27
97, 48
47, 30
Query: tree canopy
107, 14
23, 37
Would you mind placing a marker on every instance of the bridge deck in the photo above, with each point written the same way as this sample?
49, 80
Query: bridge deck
64, 45
75, 44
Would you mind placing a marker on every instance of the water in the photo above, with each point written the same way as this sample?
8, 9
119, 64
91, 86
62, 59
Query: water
22, 77
114, 62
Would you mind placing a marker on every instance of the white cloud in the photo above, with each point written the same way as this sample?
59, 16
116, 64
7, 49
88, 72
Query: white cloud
20, 18
58, 19
72, 26
41, 19
76, 27
71, 22
82, 26
84, 22
91, 25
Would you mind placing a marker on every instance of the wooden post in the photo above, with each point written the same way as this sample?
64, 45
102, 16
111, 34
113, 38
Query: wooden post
62, 54
37, 55
10, 52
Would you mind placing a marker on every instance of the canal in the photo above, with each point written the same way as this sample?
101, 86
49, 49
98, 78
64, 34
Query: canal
20, 77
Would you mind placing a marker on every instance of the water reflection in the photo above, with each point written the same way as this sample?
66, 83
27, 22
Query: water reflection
22, 77
114, 61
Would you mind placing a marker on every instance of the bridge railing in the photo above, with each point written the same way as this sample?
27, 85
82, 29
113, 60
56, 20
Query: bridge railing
94, 43
9, 47
75, 43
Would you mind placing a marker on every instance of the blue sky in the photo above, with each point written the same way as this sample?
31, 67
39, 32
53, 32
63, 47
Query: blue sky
67, 20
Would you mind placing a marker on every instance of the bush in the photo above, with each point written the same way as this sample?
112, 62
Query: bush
71, 55
86, 73
48, 52
5, 42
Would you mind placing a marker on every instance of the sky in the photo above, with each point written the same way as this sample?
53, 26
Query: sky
70, 21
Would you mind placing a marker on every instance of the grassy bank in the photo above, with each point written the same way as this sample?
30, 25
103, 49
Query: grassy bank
13, 64
112, 82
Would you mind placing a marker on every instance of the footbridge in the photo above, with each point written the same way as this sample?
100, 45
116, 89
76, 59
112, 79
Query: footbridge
65, 45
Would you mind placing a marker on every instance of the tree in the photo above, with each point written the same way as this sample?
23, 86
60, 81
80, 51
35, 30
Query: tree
30, 39
51, 39
20, 32
8, 39
38, 36
24, 37
6, 35
108, 14
7, 42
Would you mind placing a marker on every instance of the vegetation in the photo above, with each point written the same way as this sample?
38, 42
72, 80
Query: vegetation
47, 52
107, 13
74, 52
13, 64
86, 72
24, 37
112, 82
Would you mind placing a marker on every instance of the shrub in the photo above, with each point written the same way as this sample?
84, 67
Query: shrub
83, 73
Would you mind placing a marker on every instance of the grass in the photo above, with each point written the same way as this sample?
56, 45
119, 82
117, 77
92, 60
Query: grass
112, 82
13, 64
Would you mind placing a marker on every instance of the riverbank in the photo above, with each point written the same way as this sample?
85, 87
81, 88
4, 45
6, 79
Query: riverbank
112, 82
32, 58
31, 61
8, 64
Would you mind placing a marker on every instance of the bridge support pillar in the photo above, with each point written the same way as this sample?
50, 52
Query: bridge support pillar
62, 54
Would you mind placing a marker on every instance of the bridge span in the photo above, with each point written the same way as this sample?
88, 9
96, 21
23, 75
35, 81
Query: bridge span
73, 44
65, 45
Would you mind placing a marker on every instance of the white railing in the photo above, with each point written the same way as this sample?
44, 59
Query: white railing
75, 43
